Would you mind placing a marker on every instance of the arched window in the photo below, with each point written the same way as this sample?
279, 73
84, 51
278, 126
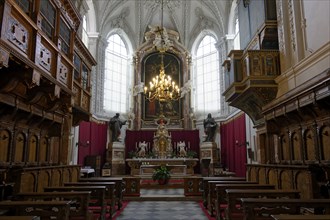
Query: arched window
236, 37
84, 31
116, 76
206, 77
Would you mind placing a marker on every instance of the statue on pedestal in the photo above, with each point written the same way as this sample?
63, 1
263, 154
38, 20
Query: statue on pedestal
182, 149
210, 126
115, 126
142, 149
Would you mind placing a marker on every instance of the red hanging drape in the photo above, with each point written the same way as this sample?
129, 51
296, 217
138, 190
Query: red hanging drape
96, 135
233, 148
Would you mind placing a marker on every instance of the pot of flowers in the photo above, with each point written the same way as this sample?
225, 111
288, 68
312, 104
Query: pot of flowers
162, 175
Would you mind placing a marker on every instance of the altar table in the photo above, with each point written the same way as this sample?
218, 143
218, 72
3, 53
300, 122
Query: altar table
174, 169
182, 165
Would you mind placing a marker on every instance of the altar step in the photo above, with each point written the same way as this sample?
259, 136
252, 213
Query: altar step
166, 194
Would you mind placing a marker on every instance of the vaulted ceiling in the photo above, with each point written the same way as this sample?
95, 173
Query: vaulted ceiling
187, 17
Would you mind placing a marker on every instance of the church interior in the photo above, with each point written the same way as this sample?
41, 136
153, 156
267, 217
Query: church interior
158, 109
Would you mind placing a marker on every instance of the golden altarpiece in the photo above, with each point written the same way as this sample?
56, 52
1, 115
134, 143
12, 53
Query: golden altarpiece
162, 117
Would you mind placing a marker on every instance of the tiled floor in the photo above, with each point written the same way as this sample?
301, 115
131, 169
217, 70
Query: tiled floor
161, 192
162, 210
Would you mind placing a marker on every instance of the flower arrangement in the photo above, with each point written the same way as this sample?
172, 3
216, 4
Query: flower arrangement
162, 174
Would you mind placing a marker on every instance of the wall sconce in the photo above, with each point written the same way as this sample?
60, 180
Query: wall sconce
81, 144
246, 143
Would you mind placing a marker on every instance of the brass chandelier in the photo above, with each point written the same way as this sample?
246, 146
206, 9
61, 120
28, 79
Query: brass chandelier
162, 87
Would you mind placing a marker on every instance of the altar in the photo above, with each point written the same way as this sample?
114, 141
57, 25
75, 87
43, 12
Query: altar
177, 166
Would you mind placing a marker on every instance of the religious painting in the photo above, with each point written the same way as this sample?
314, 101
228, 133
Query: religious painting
150, 69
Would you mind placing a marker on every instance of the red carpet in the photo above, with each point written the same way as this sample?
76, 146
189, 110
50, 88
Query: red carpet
205, 211
124, 204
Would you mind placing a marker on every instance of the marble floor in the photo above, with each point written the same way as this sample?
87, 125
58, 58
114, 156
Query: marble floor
162, 210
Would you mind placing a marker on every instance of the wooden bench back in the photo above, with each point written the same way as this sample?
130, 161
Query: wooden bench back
254, 207
80, 200
118, 186
233, 197
97, 193
58, 210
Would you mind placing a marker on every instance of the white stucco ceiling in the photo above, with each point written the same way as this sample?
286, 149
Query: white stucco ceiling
187, 17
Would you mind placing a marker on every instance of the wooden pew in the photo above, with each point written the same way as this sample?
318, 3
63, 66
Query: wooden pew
97, 193
233, 195
19, 218
79, 201
212, 196
212, 178
118, 187
220, 190
45, 209
109, 194
257, 209
301, 217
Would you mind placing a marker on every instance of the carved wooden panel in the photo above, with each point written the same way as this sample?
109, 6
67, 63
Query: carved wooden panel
310, 147
17, 34
19, 148
85, 102
297, 146
77, 96
56, 178
325, 142
43, 150
262, 176
304, 185
4, 145
28, 181
285, 148
75, 174
32, 156
286, 179
62, 73
66, 175
43, 179
253, 174
44, 57
272, 178
54, 158
4, 57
